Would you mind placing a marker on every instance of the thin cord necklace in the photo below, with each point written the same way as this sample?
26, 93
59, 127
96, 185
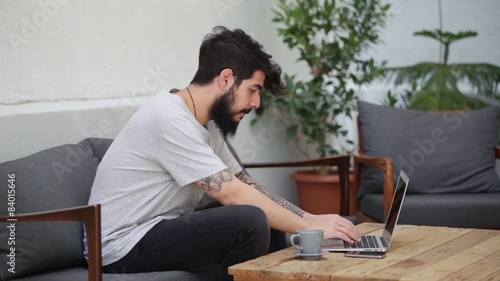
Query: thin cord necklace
192, 101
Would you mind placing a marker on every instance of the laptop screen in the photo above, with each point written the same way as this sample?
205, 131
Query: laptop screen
397, 203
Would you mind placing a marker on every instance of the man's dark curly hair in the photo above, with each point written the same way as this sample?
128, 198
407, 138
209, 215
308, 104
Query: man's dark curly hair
239, 52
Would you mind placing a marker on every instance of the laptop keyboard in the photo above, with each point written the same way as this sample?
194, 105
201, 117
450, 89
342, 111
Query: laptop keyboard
367, 241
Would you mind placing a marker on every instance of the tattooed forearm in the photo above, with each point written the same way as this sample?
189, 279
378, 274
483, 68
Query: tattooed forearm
276, 198
215, 182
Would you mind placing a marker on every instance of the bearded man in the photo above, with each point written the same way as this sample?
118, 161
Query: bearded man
173, 151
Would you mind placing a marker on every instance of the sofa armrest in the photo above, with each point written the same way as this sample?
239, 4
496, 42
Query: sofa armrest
497, 152
90, 215
340, 161
383, 164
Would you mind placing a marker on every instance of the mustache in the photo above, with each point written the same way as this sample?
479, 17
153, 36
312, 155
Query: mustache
246, 111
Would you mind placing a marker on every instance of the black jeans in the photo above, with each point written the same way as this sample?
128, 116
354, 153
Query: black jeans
211, 239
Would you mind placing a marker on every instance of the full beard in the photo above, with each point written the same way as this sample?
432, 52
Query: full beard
223, 116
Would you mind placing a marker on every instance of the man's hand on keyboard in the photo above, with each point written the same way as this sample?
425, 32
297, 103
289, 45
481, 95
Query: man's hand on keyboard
334, 226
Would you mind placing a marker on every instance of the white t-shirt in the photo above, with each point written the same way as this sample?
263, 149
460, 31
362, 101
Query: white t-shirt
147, 174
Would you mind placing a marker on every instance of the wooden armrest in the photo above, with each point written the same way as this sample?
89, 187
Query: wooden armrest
383, 164
90, 215
339, 161
497, 152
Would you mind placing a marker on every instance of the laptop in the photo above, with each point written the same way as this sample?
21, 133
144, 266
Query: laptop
375, 243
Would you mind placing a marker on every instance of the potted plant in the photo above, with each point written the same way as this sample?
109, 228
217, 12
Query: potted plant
435, 85
331, 37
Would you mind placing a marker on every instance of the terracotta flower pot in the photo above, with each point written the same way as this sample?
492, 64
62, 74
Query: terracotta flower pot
318, 194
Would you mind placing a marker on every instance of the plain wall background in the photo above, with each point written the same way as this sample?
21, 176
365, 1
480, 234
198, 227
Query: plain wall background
72, 69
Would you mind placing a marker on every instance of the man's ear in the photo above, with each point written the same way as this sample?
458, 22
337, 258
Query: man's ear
226, 79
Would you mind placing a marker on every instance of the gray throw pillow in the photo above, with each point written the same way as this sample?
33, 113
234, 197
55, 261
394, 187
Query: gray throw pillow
442, 152
59, 177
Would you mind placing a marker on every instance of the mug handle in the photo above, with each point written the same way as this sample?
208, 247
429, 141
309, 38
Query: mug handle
292, 238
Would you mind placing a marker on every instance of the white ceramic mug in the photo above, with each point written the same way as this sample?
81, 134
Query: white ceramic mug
310, 240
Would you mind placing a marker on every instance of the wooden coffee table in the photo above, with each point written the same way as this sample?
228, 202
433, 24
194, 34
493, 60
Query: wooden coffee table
417, 253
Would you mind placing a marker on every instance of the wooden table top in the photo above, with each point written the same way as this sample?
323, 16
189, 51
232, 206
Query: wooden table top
417, 253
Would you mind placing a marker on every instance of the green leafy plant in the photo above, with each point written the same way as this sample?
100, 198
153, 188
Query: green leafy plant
331, 37
435, 85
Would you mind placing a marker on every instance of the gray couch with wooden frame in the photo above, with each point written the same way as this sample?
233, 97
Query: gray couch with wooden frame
49, 203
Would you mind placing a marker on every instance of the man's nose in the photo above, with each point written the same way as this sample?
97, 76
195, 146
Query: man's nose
255, 102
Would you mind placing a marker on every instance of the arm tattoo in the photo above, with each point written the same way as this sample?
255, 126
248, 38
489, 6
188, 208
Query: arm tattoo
215, 182
266, 191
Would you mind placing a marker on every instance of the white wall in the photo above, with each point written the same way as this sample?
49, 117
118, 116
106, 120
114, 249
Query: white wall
71, 69
100, 49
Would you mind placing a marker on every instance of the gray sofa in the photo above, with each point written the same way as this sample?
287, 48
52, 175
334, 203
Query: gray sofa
450, 158
56, 178
61, 177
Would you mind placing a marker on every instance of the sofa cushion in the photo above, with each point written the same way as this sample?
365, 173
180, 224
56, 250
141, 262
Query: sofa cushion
59, 177
454, 210
441, 152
